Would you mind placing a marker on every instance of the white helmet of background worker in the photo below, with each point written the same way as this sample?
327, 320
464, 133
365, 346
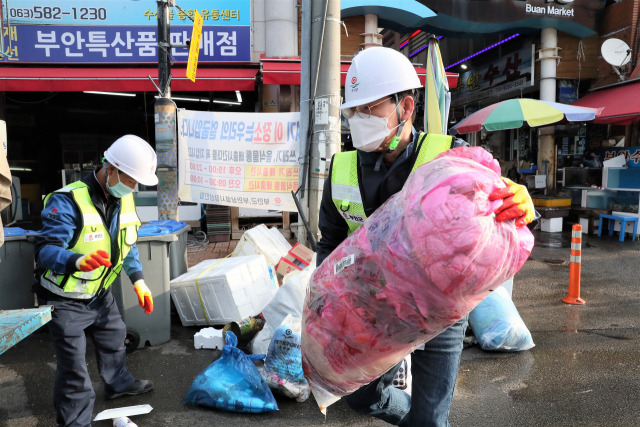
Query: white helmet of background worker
375, 73
132, 155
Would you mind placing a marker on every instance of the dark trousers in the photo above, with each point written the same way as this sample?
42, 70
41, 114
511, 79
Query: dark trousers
434, 371
73, 395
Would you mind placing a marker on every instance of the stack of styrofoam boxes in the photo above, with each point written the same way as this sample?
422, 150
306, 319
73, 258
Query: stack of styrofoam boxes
263, 240
226, 290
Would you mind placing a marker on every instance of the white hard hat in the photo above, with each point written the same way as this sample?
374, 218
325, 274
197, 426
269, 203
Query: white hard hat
377, 72
133, 156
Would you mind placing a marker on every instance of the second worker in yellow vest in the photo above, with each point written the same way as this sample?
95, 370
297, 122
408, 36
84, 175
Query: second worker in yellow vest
88, 236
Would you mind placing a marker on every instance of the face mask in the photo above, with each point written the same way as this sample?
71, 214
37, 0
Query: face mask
119, 190
368, 133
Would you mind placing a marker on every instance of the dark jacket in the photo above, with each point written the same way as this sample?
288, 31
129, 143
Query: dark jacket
377, 186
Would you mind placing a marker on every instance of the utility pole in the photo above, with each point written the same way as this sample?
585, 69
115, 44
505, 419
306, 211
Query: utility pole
325, 99
165, 121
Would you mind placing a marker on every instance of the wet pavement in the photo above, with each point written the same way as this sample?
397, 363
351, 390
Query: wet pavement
583, 371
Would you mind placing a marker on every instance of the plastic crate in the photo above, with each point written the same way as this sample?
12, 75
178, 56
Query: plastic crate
219, 291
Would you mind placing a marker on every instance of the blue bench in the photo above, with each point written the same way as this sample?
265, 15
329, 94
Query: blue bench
623, 224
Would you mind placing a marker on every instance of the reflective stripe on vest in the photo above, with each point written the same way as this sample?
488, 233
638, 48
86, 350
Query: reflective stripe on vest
345, 188
93, 235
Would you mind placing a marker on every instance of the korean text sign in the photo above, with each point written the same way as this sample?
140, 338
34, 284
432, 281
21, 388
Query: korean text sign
121, 31
238, 159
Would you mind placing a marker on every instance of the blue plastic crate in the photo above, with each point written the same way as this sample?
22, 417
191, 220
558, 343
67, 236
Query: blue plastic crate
15, 231
170, 224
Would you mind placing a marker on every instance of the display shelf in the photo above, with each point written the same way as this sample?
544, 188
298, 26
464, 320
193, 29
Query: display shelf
621, 179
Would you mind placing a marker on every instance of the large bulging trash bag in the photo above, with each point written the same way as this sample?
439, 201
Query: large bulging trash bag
421, 262
497, 324
232, 383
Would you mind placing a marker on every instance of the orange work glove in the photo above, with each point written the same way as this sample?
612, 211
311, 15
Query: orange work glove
144, 296
93, 260
516, 203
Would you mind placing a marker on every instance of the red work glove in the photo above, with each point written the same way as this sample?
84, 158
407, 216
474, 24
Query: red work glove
144, 296
93, 260
516, 203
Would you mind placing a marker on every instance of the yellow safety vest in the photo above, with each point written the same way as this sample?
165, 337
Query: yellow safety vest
345, 187
94, 235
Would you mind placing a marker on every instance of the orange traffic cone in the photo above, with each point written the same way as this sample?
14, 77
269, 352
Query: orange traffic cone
574, 266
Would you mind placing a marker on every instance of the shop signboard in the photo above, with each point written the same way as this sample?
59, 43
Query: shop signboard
631, 154
120, 31
579, 18
248, 160
509, 74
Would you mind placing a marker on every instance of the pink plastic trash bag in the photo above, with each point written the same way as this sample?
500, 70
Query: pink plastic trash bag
421, 262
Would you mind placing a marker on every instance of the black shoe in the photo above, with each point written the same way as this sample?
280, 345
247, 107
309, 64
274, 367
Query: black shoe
138, 387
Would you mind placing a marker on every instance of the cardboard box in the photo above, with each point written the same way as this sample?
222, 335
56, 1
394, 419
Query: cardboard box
298, 258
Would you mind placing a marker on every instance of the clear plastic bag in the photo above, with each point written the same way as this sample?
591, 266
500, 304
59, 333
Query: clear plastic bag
497, 324
232, 383
421, 262
283, 365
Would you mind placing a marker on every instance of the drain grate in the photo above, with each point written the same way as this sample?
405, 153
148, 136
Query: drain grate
555, 261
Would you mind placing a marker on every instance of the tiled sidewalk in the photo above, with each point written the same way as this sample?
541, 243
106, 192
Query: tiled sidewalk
199, 252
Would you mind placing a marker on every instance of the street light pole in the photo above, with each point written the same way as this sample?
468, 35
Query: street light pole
165, 121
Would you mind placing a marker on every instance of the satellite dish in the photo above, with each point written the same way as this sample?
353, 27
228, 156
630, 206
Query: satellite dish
616, 52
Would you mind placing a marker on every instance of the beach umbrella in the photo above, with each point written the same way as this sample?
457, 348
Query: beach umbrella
437, 95
513, 113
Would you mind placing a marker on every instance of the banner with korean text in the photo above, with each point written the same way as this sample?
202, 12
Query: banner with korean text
246, 160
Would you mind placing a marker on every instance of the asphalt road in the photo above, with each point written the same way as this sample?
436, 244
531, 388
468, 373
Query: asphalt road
583, 371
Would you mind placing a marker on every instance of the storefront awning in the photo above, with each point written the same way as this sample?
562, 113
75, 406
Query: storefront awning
621, 104
287, 72
59, 79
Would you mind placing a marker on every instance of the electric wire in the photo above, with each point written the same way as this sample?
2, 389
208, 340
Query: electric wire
197, 242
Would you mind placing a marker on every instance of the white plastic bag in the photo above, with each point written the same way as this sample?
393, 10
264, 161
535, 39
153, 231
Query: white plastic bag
288, 299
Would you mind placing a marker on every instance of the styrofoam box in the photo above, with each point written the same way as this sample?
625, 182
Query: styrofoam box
628, 229
208, 338
551, 225
261, 240
584, 222
231, 289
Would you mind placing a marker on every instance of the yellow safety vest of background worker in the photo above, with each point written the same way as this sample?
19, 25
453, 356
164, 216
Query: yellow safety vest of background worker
88, 235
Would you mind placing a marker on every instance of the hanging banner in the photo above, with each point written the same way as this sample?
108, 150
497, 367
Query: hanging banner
246, 160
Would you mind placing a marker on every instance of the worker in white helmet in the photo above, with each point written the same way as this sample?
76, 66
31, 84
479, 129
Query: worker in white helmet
89, 231
379, 106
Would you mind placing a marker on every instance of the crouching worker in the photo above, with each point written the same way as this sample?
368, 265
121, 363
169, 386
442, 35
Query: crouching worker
379, 106
89, 231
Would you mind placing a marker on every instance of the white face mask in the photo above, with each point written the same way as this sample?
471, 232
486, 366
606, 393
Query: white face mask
368, 133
